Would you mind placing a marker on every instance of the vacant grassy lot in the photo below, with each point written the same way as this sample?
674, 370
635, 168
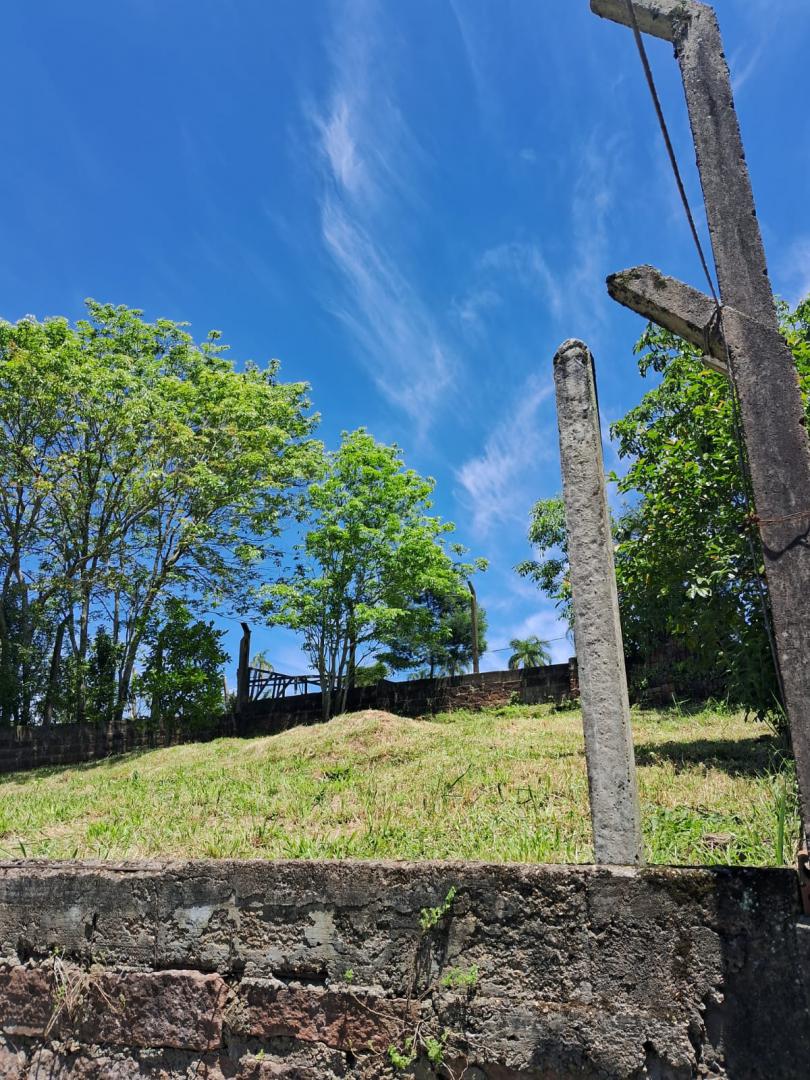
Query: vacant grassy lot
507, 785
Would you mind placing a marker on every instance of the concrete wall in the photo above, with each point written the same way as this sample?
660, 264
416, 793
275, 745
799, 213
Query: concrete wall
239, 970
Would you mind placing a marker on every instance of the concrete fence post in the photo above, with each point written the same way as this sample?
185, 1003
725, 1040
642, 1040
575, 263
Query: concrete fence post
600, 654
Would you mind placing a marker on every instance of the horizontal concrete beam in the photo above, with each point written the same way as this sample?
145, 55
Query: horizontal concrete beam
656, 17
666, 301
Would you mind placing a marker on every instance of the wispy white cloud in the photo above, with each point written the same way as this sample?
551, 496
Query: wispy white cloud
548, 626
793, 271
477, 63
396, 334
472, 308
338, 143
496, 272
591, 203
742, 67
569, 286
370, 167
495, 484
526, 264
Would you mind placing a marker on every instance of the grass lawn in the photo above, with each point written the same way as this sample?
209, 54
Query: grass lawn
506, 785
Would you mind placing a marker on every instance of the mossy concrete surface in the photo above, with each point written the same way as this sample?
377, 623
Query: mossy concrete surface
341, 968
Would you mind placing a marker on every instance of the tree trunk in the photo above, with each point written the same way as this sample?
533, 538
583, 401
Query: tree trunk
53, 675
155, 709
6, 669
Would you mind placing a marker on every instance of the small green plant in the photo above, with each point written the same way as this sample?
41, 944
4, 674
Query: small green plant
429, 918
781, 801
348, 975
434, 1048
678, 706
402, 1058
460, 978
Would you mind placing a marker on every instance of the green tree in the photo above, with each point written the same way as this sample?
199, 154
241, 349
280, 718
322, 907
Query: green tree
434, 636
101, 678
454, 655
37, 362
182, 678
370, 548
689, 570
370, 674
134, 464
261, 661
531, 651
547, 534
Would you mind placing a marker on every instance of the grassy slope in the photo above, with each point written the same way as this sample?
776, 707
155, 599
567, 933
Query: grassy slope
506, 785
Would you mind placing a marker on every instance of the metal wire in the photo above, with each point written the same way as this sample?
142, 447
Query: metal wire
645, 63
745, 473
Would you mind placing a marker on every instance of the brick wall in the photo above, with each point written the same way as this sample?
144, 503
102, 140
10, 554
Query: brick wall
312, 970
67, 744
420, 697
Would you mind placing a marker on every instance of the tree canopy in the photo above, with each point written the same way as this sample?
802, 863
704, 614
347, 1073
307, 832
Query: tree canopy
531, 651
435, 634
371, 548
135, 464
688, 563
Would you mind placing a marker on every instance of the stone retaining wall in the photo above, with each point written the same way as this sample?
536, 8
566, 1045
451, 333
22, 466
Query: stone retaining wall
294, 969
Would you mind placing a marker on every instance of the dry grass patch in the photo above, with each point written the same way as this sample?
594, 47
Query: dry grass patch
503, 785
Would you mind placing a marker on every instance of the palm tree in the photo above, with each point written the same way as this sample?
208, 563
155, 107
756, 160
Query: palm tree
529, 652
260, 662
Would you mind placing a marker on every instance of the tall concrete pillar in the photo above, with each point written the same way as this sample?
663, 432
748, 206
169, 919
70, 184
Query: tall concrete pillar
600, 654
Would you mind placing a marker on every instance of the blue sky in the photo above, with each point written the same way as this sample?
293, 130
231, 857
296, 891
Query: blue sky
411, 205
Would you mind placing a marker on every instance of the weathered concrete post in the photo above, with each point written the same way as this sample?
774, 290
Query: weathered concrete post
762, 368
600, 654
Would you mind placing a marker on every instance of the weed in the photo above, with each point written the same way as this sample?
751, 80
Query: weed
782, 806
403, 1057
348, 975
429, 918
72, 985
434, 1048
388, 790
460, 978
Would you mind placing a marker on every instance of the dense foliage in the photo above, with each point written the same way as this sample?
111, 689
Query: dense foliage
435, 635
689, 567
182, 679
371, 549
135, 465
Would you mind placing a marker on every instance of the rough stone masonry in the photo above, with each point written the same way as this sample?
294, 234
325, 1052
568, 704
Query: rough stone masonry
307, 969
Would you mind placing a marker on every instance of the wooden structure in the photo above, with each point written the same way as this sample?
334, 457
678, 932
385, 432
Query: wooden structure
266, 685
